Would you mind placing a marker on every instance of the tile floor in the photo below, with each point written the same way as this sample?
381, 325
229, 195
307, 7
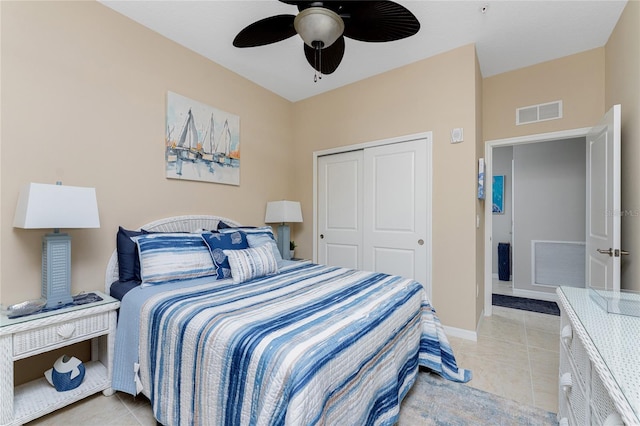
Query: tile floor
502, 287
516, 356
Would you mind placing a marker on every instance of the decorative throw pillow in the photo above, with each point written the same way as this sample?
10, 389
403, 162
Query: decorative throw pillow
217, 243
257, 240
251, 263
67, 373
170, 257
128, 260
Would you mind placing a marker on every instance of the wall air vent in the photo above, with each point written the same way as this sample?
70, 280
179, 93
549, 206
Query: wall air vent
541, 112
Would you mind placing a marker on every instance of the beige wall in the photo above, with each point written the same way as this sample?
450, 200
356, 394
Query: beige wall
83, 101
436, 94
577, 80
622, 84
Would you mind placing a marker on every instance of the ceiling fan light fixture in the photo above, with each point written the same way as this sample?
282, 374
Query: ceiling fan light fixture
318, 24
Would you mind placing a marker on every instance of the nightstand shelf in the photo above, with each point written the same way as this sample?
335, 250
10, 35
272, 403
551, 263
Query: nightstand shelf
37, 398
27, 336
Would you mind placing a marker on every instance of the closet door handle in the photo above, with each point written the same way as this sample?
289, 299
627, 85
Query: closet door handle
321, 236
604, 251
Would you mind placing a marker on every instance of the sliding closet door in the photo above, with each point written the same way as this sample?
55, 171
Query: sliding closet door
340, 203
395, 205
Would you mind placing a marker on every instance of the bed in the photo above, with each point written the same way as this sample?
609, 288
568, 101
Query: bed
310, 344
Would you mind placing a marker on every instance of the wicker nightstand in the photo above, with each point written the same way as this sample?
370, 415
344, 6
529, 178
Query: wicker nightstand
31, 335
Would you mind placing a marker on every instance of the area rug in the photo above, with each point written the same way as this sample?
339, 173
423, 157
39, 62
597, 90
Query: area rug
435, 401
525, 304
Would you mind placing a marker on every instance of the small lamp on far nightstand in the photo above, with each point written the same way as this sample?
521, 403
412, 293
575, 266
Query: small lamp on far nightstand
281, 212
43, 206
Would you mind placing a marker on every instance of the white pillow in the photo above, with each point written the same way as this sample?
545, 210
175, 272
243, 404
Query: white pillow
251, 263
257, 240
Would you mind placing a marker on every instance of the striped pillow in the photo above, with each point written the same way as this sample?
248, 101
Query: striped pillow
251, 263
171, 257
257, 240
262, 230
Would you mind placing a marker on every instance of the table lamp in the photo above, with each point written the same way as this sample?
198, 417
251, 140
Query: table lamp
44, 206
282, 212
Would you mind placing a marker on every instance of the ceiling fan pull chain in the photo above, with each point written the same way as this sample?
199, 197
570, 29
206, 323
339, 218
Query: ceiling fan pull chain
316, 60
315, 68
315, 65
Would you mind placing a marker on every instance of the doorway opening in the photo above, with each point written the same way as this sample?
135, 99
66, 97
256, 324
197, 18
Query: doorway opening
495, 151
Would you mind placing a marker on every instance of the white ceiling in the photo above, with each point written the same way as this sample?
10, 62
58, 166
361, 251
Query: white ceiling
510, 35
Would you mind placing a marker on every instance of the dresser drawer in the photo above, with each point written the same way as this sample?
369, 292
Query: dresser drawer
603, 409
578, 404
573, 401
41, 338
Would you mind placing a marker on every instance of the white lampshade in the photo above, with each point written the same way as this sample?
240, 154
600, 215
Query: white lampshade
283, 211
318, 24
42, 206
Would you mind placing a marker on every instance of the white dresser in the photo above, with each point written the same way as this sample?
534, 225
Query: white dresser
599, 362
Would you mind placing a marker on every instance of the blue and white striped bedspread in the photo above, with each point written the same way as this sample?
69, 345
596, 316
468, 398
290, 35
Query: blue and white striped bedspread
311, 345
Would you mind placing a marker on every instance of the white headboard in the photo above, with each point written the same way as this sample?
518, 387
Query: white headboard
169, 224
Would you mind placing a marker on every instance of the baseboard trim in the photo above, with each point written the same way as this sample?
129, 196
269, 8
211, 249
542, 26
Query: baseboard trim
461, 333
540, 295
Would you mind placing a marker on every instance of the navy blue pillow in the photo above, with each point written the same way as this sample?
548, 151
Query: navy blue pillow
128, 260
217, 243
224, 225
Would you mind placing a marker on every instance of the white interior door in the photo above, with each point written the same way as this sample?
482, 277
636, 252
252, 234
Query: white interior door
395, 205
603, 203
340, 203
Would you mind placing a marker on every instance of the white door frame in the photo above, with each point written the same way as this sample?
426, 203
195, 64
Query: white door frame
428, 136
488, 216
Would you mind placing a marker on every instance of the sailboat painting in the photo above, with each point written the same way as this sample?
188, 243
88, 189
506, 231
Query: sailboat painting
202, 143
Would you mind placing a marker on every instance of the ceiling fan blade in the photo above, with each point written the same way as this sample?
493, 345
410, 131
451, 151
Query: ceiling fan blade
266, 31
329, 58
378, 21
302, 4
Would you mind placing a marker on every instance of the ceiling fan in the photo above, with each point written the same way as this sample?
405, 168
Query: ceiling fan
322, 25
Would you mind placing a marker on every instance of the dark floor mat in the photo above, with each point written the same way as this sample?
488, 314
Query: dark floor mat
525, 304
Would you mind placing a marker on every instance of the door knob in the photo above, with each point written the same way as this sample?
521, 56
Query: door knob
321, 236
604, 251
420, 242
